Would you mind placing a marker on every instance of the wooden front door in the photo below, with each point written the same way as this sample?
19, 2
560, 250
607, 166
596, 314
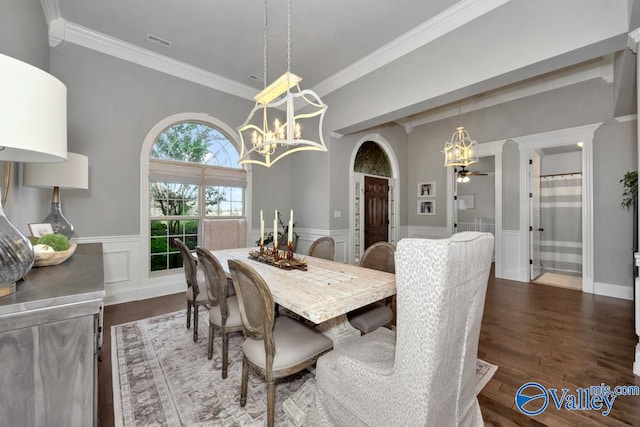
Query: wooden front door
376, 210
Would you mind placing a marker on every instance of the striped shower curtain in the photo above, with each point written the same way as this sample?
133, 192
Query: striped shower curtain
561, 219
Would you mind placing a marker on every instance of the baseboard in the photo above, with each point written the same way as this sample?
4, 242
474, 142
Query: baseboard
611, 290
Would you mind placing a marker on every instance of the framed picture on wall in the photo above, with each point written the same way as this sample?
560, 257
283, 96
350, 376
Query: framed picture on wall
39, 230
427, 189
426, 207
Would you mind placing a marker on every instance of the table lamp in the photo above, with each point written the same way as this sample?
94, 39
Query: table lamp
33, 128
72, 174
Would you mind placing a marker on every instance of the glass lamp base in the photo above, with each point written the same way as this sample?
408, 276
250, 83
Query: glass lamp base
58, 222
16, 255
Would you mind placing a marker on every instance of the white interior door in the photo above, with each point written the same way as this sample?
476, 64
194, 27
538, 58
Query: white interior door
535, 228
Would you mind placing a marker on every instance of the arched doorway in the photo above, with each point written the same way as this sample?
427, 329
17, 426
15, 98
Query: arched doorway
374, 194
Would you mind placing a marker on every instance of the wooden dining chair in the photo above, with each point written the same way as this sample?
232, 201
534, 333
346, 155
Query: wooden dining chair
274, 347
224, 313
324, 247
379, 256
195, 298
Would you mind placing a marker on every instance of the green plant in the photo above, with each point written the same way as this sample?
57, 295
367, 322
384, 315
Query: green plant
630, 192
58, 242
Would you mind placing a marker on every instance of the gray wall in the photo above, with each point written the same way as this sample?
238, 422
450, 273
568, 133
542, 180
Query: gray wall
24, 36
552, 164
112, 106
483, 190
510, 186
24, 33
341, 153
614, 154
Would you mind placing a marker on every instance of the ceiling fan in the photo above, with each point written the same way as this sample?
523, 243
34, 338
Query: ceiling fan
464, 174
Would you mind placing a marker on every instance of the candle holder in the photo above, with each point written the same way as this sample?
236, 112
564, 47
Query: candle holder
285, 260
290, 250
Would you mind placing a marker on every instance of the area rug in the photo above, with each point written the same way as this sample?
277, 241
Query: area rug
162, 378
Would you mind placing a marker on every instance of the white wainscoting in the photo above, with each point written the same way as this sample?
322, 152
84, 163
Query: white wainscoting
121, 266
511, 268
611, 290
123, 279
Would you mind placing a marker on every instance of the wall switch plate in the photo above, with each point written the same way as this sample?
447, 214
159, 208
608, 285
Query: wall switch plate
337, 214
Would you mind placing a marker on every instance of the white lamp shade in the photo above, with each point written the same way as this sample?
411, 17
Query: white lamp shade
33, 113
72, 174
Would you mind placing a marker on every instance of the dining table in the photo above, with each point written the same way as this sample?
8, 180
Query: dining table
324, 293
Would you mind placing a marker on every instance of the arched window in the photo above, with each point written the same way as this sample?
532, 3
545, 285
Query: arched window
372, 160
193, 175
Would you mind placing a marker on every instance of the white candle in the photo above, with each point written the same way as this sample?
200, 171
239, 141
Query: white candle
261, 229
275, 229
290, 237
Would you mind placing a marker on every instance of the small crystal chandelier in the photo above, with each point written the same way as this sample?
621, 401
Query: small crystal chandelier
286, 134
461, 150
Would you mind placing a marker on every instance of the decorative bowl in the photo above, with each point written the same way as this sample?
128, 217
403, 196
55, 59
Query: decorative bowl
44, 259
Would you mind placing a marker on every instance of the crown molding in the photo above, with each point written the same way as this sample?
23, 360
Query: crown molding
602, 69
62, 30
633, 40
454, 17
51, 9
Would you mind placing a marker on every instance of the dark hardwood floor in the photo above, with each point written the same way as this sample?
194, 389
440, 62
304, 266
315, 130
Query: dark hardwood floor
557, 337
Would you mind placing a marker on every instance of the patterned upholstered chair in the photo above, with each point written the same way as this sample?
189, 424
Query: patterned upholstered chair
324, 247
424, 373
273, 347
224, 313
379, 256
195, 298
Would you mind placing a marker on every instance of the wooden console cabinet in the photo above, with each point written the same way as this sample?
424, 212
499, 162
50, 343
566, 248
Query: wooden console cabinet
49, 334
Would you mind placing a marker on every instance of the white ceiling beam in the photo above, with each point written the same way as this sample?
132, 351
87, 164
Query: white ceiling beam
602, 68
454, 17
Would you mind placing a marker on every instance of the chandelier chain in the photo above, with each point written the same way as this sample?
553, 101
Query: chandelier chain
264, 76
289, 36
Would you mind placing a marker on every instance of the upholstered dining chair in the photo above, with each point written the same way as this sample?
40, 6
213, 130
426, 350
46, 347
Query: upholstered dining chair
274, 347
195, 298
324, 247
379, 256
424, 373
224, 313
